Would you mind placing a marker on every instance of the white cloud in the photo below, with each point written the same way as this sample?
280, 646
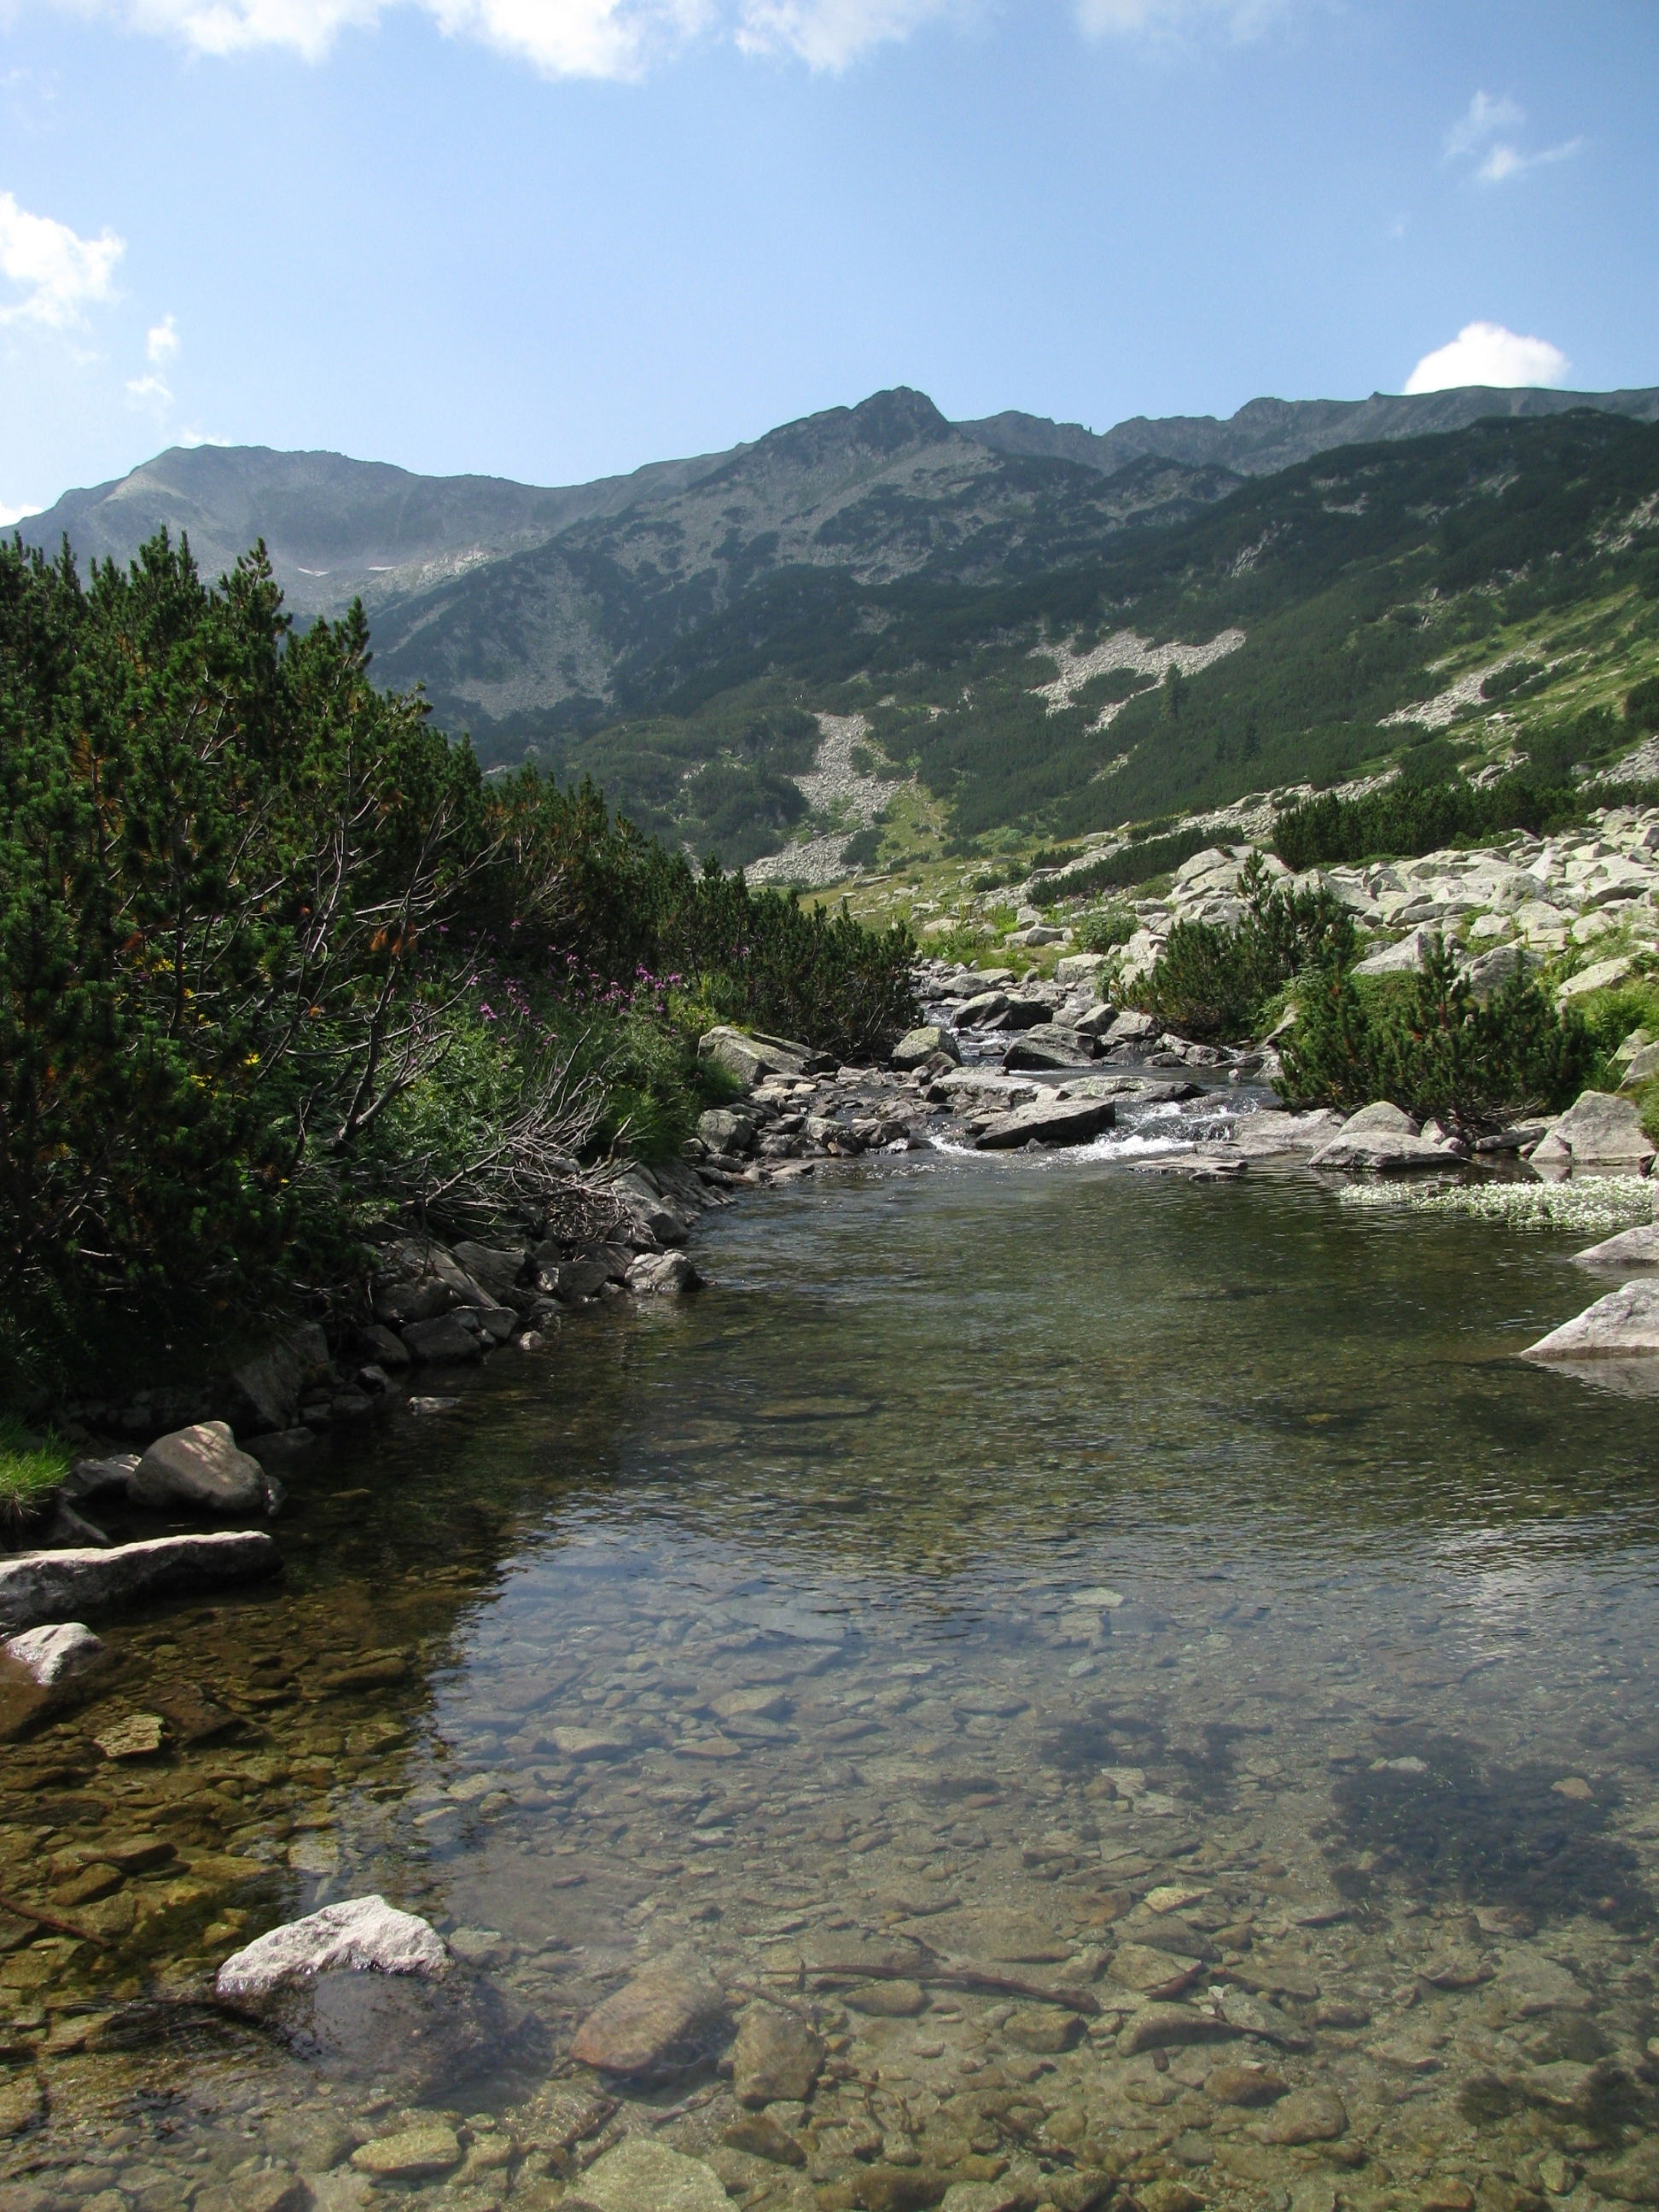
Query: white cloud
162, 342
828, 34
60, 275
150, 391
616, 39
1486, 353
1482, 130
12, 515
1483, 119
1239, 19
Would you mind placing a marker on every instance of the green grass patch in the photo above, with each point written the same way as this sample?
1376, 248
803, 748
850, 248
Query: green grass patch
31, 1468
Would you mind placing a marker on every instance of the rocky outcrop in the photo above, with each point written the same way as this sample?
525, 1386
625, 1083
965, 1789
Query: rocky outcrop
45, 1586
1383, 1139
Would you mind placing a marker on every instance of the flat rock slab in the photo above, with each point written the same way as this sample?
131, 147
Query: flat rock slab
44, 1586
1059, 1121
1631, 1248
647, 2176
658, 2023
1622, 1325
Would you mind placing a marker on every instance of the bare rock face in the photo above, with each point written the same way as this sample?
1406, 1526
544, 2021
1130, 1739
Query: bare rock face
364, 1988
200, 1467
659, 2023
45, 1586
777, 2058
1624, 1324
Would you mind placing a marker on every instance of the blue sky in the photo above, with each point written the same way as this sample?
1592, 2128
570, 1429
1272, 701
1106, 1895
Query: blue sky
550, 238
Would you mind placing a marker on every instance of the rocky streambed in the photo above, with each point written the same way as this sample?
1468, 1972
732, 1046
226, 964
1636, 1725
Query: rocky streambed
1042, 1684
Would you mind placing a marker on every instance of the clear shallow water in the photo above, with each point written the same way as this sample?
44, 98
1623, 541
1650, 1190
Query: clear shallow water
1078, 1535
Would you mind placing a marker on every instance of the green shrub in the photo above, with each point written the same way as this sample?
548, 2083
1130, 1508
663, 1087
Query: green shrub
1137, 862
273, 956
1427, 1044
1211, 980
1405, 818
1106, 930
1642, 704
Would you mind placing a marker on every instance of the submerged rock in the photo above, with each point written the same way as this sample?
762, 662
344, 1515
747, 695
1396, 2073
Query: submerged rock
371, 1991
777, 2059
43, 1586
658, 2024
1625, 1322
640, 2174
200, 1465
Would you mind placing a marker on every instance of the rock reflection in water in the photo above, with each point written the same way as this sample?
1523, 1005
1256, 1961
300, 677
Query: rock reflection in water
1010, 1746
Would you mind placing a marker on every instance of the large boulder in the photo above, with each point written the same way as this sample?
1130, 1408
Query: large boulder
1380, 1115
446, 1341
1383, 1152
1624, 1323
495, 1267
663, 1274
1631, 1248
1488, 972
923, 1044
42, 1586
1129, 1028
1048, 1046
1048, 1122
1600, 975
664, 2021
200, 1467
749, 1059
1273, 1134
366, 1989
1081, 968
1599, 1128
1404, 958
